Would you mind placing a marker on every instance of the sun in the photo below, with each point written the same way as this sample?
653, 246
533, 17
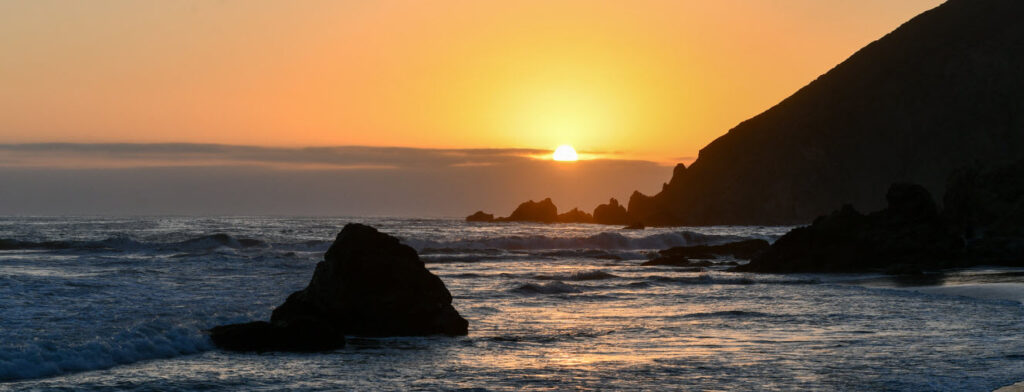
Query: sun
564, 153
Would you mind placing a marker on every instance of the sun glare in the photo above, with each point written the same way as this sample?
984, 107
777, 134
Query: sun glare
564, 153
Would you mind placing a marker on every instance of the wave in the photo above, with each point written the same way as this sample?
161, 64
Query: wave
707, 279
42, 359
125, 243
555, 287
605, 240
579, 276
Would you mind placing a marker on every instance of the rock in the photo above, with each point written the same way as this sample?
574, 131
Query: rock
369, 284
987, 206
575, 215
480, 216
908, 233
745, 249
543, 211
259, 336
942, 91
612, 214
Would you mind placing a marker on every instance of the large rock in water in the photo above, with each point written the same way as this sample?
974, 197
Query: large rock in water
369, 284
908, 235
942, 91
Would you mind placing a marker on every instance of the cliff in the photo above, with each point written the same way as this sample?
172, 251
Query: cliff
944, 90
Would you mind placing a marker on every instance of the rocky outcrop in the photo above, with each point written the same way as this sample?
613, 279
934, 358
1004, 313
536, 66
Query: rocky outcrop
369, 284
908, 235
986, 205
941, 92
575, 215
480, 216
612, 214
543, 211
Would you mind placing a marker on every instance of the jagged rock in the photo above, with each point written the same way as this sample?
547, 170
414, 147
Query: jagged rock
908, 233
942, 91
612, 214
543, 211
369, 284
575, 215
480, 216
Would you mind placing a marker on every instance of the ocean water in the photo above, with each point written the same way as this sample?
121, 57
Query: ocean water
120, 304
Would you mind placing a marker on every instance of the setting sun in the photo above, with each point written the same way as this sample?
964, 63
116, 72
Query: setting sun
564, 153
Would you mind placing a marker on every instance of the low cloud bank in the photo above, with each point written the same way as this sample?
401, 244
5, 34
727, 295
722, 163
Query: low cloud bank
207, 179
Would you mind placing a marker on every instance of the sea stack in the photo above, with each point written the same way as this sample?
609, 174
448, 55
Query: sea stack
369, 284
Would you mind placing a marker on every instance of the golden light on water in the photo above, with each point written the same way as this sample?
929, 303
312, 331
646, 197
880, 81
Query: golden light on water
565, 153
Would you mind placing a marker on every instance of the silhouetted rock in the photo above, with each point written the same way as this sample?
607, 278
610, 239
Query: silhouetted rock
543, 211
611, 214
907, 235
298, 335
575, 215
986, 205
480, 216
942, 91
369, 284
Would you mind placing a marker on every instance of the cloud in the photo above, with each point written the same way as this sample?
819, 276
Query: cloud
115, 155
210, 179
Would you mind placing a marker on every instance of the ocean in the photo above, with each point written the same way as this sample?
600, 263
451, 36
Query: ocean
103, 303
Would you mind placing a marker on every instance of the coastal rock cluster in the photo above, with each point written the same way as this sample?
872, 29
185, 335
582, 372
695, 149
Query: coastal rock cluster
545, 211
982, 223
369, 284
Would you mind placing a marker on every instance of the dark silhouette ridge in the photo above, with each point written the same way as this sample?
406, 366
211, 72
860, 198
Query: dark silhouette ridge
369, 284
942, 91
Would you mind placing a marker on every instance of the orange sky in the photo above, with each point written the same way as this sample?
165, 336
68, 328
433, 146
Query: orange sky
648, 79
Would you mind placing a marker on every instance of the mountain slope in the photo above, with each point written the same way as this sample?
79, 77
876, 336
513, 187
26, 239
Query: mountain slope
944, 90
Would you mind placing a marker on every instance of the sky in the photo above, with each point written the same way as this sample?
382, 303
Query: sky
267, 91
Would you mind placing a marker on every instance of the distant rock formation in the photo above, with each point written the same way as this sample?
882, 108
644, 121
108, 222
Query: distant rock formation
480, 216
612, 214
941, 92
543, 211
575, 215
369, 284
